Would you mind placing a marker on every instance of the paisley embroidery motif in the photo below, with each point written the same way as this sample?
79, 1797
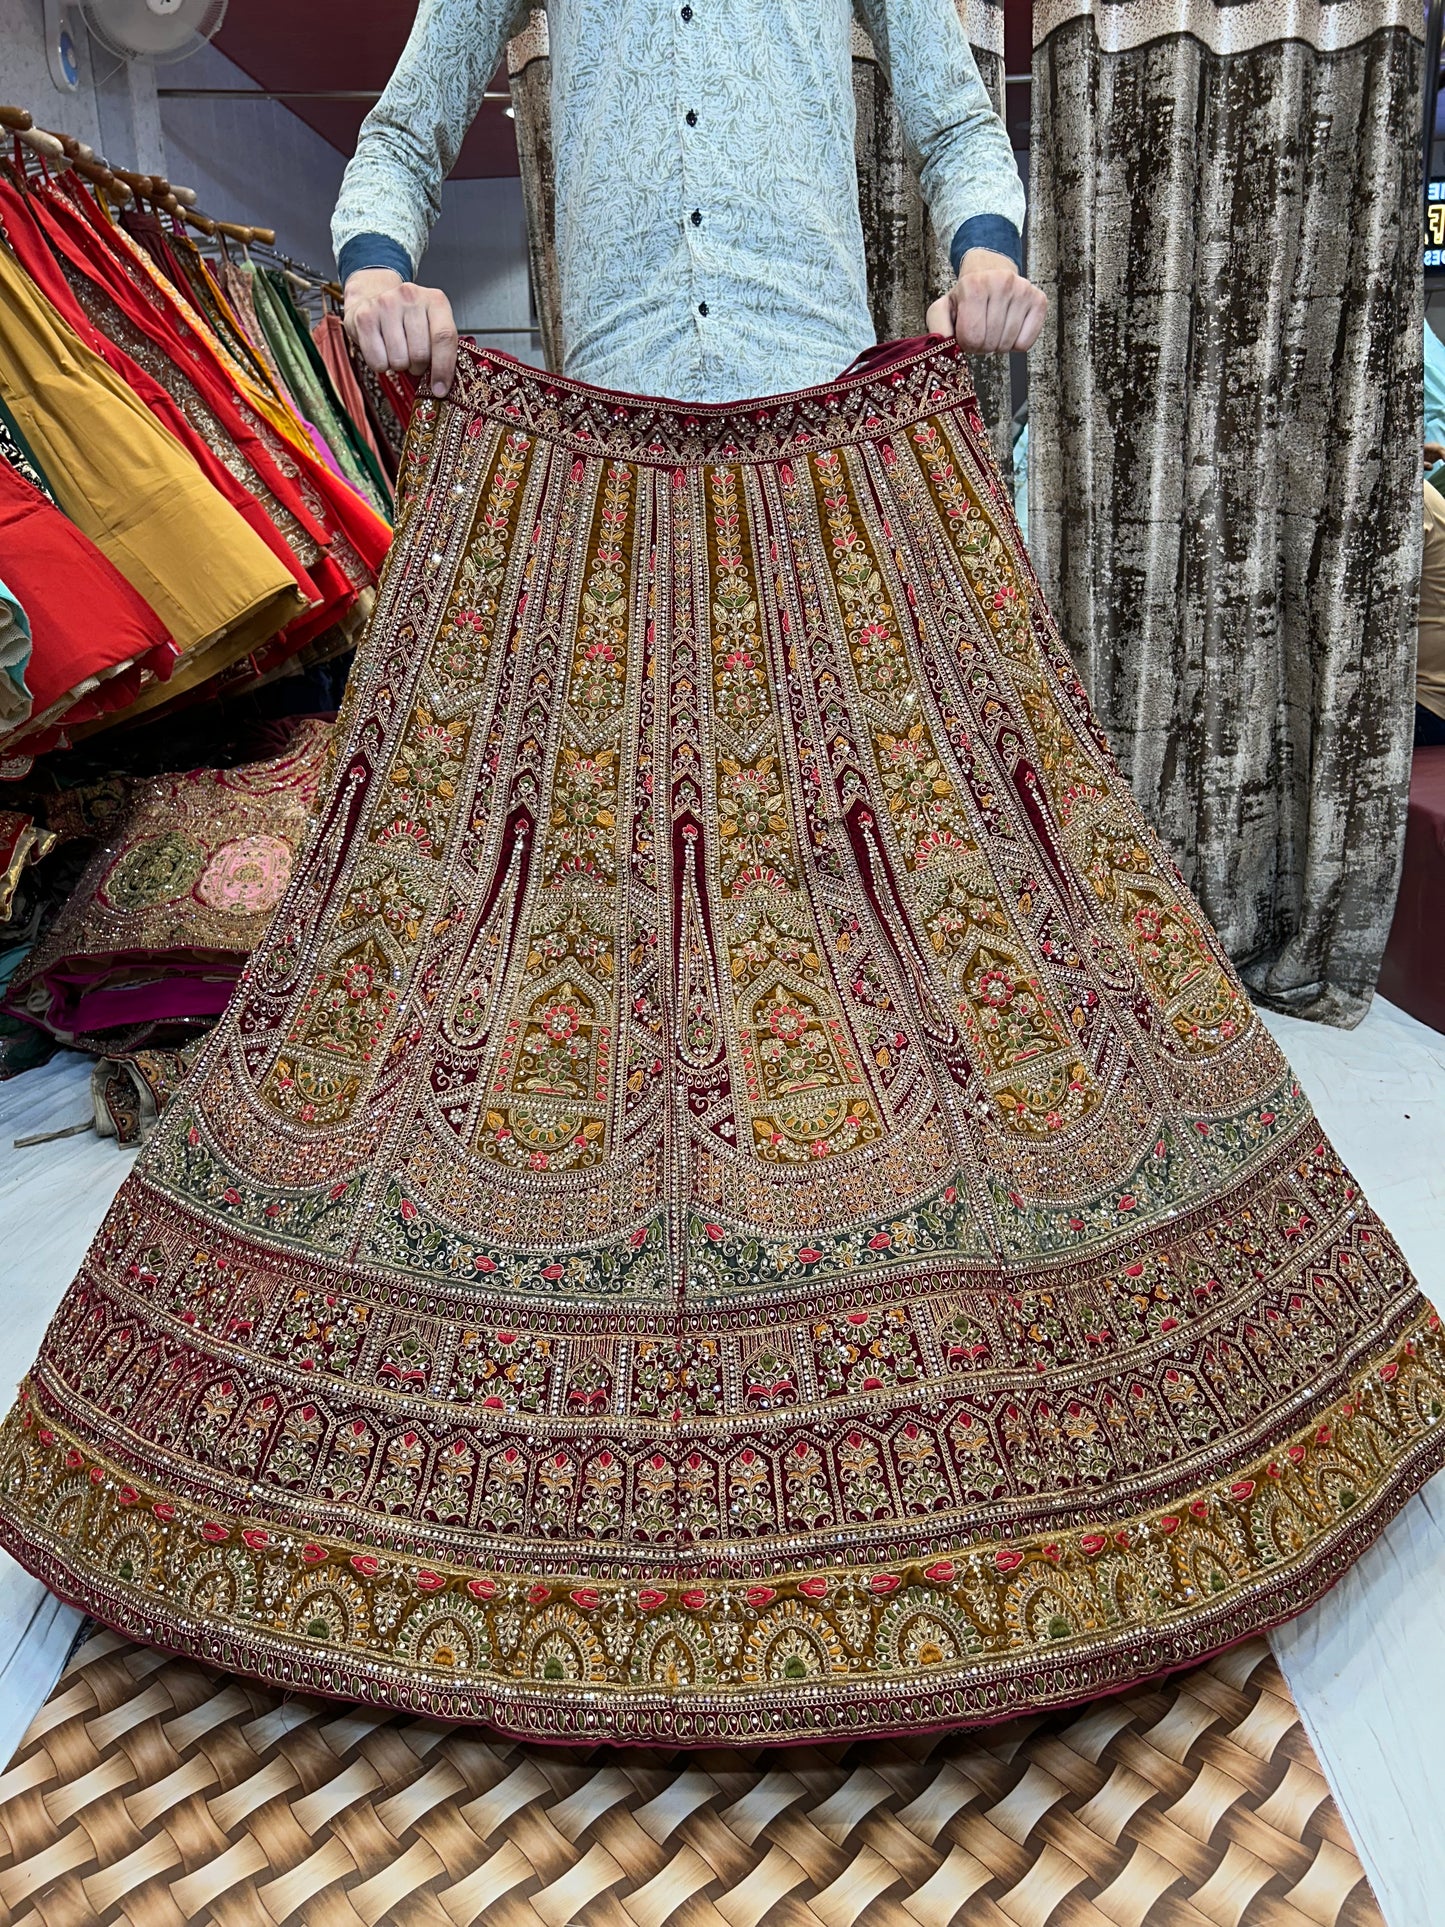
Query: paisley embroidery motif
738, 1197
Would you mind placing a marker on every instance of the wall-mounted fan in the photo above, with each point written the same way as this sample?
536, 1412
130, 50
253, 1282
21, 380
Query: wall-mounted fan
158, 31
61, 48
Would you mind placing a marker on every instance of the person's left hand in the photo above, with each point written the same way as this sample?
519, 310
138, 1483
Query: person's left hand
990, 307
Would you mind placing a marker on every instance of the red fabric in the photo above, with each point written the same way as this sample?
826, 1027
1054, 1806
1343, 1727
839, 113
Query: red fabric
147, 230
884, 353
29, 245
60, 212
1413, 973
54, 220
85, 618
345, 510
400, 391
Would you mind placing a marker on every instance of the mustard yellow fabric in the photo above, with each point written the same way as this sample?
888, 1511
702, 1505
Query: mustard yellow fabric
126, 482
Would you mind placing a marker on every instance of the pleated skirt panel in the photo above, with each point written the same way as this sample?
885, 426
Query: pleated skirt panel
740, 1198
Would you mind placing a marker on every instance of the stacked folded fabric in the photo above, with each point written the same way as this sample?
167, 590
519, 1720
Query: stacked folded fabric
153, 939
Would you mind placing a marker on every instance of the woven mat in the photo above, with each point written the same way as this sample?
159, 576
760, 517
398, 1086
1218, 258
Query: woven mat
153, 1791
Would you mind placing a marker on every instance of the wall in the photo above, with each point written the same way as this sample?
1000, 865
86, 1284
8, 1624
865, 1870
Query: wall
255, 161
251, 160
114, 108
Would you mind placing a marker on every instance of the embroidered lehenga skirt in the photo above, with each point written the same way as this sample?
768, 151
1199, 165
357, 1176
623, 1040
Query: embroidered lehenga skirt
740, 1197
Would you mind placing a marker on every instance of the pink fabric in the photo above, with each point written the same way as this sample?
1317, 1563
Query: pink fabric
330, 339
180, 994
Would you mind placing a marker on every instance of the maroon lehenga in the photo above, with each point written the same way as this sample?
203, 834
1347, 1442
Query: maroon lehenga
740, 1197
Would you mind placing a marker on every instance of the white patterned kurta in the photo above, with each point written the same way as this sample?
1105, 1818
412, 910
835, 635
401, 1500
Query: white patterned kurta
707, 206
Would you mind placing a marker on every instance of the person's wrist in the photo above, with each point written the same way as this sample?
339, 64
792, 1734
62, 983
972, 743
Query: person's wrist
373, 251
976, 259
990, 232
362, 282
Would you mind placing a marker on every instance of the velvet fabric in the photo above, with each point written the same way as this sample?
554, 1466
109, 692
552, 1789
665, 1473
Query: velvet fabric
1225, 414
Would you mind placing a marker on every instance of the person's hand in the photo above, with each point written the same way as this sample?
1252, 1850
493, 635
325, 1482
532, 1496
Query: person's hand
398, 325
990, 307
1434, 454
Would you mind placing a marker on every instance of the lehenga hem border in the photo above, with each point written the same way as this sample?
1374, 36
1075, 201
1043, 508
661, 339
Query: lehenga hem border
1266, 1540
167, 1632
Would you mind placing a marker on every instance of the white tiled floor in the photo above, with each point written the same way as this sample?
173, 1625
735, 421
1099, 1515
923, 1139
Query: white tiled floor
1367, 1664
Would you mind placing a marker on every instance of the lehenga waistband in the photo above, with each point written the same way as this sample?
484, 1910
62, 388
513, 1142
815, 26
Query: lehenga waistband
888, 386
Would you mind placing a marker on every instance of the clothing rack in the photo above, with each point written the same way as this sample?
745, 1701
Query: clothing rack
121, 185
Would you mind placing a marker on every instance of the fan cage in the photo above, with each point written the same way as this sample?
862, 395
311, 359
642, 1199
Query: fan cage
196, 22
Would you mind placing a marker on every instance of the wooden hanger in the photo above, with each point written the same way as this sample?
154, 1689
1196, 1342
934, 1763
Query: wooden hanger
122, 184
20, 124
82, 159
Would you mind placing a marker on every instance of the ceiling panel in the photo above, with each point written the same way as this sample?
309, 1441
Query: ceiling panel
321, 44
327, 44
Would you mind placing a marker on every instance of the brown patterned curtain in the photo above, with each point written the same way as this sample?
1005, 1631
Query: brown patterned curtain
1224, 473
529, 70
907, 264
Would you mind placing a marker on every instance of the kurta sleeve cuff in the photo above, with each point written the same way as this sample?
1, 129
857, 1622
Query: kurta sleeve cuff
990, 231
380, 251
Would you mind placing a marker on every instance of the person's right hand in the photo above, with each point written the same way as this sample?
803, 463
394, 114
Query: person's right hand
398, 325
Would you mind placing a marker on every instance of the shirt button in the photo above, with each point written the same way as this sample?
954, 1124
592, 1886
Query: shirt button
696, 217
702, 307
692, 117
687, 13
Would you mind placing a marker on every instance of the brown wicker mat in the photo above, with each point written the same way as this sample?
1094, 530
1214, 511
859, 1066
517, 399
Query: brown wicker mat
152, 1791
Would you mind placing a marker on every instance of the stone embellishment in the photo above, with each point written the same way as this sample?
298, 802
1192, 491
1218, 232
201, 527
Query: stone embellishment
738, 1195
935, 1637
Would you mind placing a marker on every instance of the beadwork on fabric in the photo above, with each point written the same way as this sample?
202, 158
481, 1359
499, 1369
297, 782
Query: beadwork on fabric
740, 1197
177, 897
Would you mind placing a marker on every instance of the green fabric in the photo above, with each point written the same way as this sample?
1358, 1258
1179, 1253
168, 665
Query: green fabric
203, 299
356, 441
285, 340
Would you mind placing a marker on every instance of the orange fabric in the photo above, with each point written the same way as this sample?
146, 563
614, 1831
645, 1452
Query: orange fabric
127, 483
330, 339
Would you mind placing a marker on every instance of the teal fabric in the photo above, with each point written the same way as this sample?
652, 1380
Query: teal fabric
14, 658
21, 456
1434, 386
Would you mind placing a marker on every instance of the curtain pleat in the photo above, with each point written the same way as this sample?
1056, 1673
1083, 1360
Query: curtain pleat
1224, 498
529, 72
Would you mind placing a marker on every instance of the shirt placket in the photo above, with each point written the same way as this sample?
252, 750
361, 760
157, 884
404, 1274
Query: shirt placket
698, 211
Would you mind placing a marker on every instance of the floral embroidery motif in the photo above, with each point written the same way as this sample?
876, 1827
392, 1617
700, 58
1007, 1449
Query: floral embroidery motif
195, 863
738, 1197
247, 875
